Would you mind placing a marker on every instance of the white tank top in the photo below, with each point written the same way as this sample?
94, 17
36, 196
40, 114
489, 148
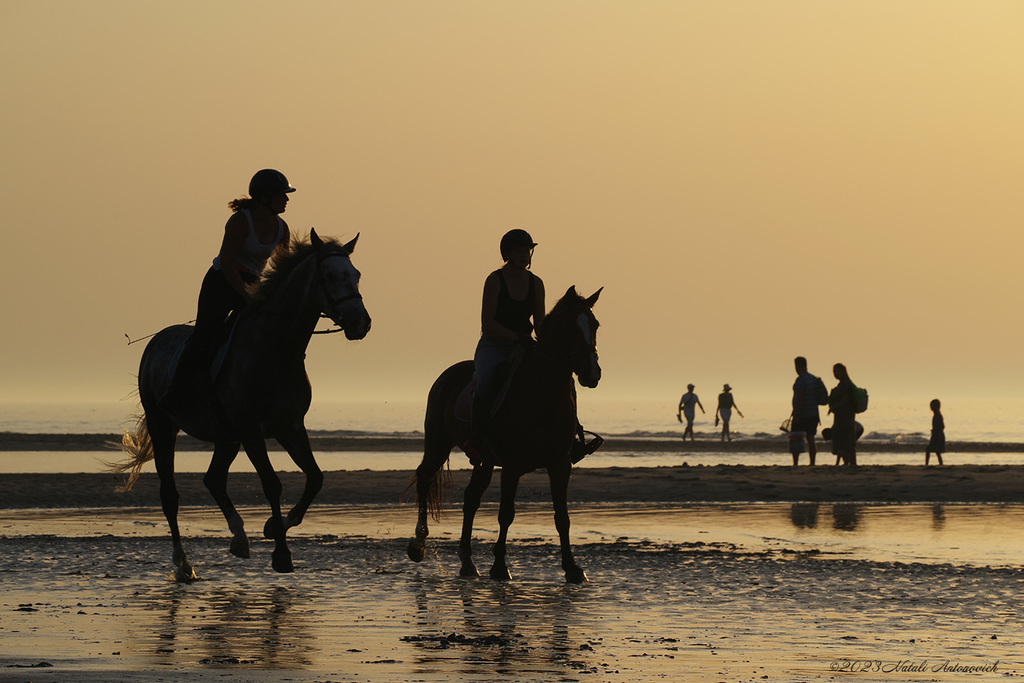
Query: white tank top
254, 254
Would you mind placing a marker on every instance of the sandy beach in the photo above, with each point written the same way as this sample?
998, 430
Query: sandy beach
723, 483
706, 574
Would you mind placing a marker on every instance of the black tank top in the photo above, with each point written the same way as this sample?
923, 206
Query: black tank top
515, 315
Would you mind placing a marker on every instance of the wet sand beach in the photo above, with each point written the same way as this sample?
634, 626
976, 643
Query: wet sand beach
722, 483
707, 574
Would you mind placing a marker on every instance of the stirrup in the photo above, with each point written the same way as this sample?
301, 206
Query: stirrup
582, 448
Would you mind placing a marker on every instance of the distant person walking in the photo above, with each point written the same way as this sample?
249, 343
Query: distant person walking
937, 444
686, 407
844, 423
726, 404
808, 393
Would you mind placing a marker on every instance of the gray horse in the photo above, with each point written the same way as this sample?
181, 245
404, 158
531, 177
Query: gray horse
259, 391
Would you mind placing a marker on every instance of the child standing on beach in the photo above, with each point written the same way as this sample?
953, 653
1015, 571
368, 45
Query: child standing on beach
937, 444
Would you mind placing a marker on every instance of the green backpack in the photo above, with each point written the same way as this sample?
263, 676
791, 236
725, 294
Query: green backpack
860, 399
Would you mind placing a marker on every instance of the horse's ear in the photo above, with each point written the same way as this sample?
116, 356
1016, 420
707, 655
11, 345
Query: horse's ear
351, 246
571, 290
315, 238
593, 297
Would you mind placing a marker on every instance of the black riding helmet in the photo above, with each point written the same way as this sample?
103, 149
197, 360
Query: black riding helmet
513, 239
269, 182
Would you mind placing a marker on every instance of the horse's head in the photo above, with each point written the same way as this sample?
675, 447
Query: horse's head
342, 301
570, 330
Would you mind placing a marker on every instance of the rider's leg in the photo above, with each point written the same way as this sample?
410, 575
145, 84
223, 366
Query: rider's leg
216, 300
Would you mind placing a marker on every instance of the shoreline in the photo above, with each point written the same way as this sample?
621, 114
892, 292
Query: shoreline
866, 484
340, 441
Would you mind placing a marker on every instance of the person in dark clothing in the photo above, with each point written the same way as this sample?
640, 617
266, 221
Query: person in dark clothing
512, 309
844, 423
937, 443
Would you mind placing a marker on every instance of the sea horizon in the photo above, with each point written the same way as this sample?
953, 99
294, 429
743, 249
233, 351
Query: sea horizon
897, 421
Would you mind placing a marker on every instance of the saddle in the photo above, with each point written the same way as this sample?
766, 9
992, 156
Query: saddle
582, 447
506, 371
221, 346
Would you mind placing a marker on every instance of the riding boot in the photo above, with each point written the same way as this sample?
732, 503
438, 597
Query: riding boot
478, 446
191, 374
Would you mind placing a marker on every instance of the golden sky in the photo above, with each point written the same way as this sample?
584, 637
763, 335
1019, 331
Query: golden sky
748, 180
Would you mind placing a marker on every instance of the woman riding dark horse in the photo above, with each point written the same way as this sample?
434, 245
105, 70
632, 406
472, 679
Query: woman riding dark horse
260, 390
533, 425
513, 307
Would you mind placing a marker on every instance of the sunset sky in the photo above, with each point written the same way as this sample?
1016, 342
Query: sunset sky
748, 181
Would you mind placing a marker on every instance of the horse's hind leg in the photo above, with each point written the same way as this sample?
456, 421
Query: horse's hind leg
478, 483
216, 481
162, 434
506, 514
434, 457
559, 479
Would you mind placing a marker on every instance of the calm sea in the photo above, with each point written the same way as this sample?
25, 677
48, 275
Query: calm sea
976, 420
886, 421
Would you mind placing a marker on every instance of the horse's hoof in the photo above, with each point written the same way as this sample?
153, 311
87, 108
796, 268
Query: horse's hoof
469, 570
417, 550
274, 528
576, 575
240, 546
281, 560
184, 573
500, 573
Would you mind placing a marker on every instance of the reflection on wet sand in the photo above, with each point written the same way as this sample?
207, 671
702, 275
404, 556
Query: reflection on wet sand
513, 628
846, 516
262, 626
755, 608
804, 515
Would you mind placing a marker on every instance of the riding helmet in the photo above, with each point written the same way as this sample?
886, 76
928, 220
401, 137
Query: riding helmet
513, 239
268, 182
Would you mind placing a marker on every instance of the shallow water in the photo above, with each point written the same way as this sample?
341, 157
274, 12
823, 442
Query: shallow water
702, 593
968, 534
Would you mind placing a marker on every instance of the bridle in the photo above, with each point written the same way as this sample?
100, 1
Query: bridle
571, 355
332, 303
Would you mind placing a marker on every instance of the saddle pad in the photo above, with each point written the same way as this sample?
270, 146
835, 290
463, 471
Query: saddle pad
464, 403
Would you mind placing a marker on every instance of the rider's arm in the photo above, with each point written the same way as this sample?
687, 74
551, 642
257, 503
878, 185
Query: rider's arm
235, 232
538, 306
490, 326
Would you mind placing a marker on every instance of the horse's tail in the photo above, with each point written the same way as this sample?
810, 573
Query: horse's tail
440, 483
139, 448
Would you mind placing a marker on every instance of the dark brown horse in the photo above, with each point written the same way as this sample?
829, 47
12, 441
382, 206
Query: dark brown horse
533, 428
260, 392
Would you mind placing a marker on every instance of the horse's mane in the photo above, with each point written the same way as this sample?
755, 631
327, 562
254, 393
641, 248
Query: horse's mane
283, 263
571, 299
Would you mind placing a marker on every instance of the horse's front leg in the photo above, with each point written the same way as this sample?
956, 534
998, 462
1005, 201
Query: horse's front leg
559, 479
506, 514
274, 529
216, 481
478, 483
298, 447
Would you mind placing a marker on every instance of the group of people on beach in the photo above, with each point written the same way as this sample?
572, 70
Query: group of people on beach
844, 401
723, 413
